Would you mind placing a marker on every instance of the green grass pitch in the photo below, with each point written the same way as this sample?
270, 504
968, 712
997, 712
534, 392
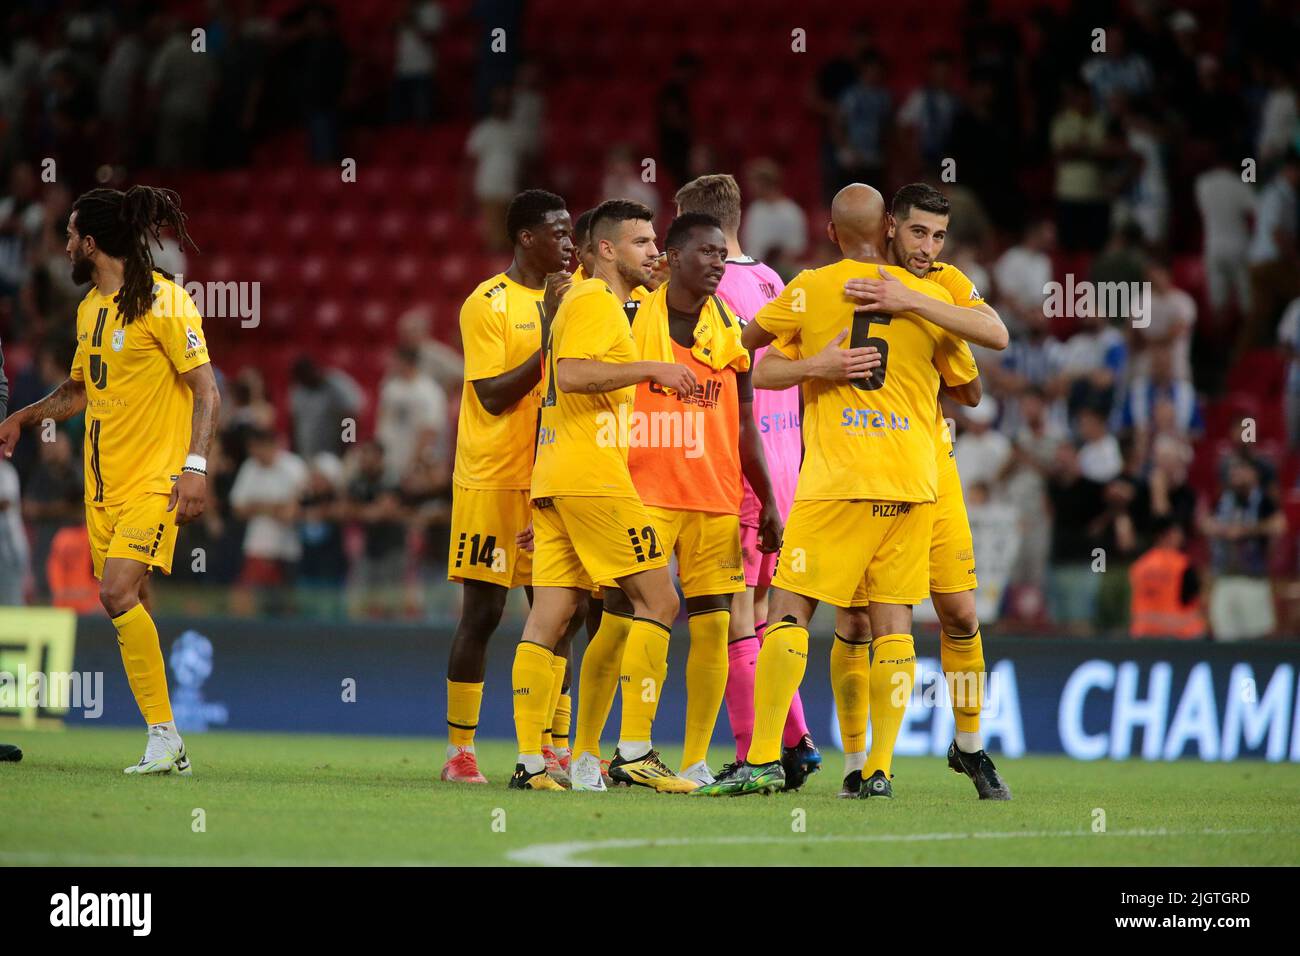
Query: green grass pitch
304, 799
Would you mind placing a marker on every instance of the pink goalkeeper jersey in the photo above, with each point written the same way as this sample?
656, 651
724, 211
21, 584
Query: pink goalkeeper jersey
746, 287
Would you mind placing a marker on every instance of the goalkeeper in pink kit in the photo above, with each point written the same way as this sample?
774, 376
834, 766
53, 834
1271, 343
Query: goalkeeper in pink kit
746, 287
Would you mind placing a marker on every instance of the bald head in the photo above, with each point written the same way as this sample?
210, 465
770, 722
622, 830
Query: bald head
858, 216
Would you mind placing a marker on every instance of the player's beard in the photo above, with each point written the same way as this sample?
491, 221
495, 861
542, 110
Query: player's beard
83, 270
633, 275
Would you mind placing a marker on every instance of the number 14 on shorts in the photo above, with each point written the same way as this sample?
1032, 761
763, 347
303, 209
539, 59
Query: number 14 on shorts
483, 551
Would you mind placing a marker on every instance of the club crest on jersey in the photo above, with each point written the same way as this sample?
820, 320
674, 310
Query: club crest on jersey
119, 339
191, 338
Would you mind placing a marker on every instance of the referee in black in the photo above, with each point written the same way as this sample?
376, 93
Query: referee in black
7, 751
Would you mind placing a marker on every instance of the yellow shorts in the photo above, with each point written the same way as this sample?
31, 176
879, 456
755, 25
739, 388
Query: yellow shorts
707, 548
141, 529
483, 528
579, 542
952, 549
851, 553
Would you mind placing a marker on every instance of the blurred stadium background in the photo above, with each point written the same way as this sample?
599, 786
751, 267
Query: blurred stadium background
1070, 165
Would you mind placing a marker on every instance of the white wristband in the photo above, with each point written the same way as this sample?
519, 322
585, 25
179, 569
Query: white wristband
197, 463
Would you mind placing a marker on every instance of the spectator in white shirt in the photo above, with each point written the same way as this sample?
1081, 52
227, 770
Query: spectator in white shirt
774, 225
413, 62
412, 413
623, 178
1022, 273
1227, 205
1273, 273
265, 495
494, 147
1100, 458
1169, 325
981, 451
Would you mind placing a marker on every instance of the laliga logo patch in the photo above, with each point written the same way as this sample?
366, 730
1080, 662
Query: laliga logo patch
119, 339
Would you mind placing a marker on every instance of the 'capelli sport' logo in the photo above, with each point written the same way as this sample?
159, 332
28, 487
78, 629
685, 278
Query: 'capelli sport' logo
134, 910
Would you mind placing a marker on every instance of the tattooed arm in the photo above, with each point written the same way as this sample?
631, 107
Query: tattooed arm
190, 492
207, 405
61, 404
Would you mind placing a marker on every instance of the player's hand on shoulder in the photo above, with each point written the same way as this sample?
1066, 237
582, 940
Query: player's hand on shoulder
836, 364
886, 294
677, 377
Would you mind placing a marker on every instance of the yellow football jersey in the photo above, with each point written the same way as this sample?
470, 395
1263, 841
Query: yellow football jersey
964, 294
873, 438
500, 328
957, 283
583, 439
138, 408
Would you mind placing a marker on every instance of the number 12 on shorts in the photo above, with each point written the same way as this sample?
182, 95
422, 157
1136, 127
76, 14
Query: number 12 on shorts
647, 535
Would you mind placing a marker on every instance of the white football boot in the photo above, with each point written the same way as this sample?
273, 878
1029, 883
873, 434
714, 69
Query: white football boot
164, 754
585, 773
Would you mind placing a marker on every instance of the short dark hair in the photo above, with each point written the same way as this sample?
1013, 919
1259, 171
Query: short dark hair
528, 210
582, 227
613, 212
679, 232
921, 196
716, 194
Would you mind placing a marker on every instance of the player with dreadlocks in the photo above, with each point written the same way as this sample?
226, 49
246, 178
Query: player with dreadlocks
141, 373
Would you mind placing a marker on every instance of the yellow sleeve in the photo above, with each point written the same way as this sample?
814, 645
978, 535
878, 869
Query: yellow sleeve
75, 372
954, 360
590, 328
483, 337
180, 333
784, 316
959, 286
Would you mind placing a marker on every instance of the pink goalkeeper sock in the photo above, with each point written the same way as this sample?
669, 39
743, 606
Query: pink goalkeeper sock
795, 725
742, 655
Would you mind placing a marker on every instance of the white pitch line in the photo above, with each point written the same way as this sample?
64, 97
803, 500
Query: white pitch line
568, 854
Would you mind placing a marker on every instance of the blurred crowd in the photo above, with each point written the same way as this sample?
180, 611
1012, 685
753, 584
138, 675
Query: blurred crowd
1102, 165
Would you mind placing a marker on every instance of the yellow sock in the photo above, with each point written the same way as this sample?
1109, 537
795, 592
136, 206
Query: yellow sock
531, 679
963, 668
463, 702
645, 665
137, 639
560, 722
893, 668
706, 680
851, 682
558, 666
598, 680
777, 675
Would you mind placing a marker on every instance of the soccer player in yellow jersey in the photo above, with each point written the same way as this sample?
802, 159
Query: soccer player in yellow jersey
141, 373
917, 229
502, 325
589, 526
859, 531
687, 458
